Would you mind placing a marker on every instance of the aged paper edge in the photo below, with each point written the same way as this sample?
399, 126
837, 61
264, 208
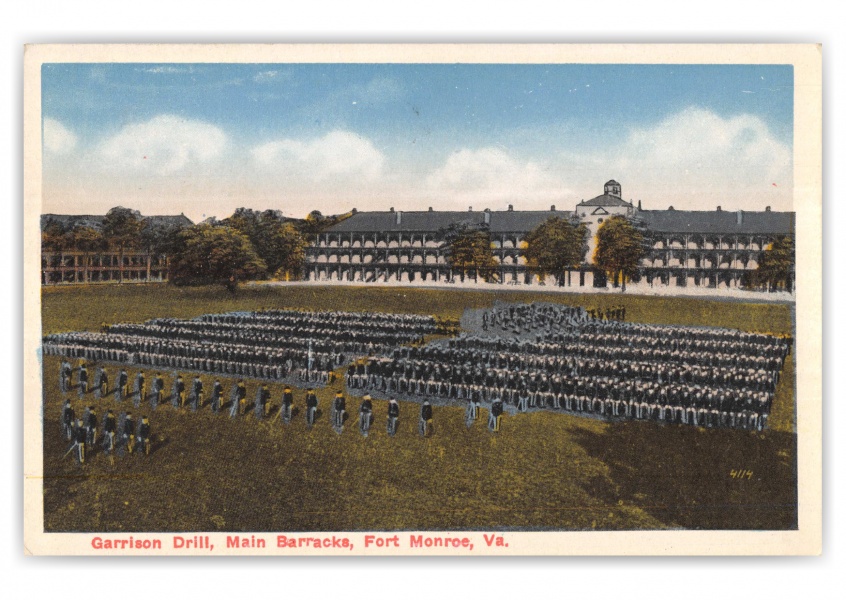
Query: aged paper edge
807, 151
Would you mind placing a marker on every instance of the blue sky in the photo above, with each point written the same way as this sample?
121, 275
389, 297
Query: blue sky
206, 138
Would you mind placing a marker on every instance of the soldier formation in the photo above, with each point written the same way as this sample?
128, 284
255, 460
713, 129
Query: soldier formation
577, 362
275, 345
515, 358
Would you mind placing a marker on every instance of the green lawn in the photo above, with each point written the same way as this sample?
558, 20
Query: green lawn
543, 471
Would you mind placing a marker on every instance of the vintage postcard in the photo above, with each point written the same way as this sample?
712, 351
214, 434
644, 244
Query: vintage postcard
422, 299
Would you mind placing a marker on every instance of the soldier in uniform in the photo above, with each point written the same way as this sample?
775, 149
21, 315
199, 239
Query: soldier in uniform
262, 401
178, 393
365, 415
495, 415
109, 427
426, 419
90, 426
143, 434
140, 388
287, 403
393, 416
122, 390
65, 376
217, 393
339, 407
79, 441
241, 394
68, 418
102, 382
158, 390
311, 406
196, 393
128, 432
83, 379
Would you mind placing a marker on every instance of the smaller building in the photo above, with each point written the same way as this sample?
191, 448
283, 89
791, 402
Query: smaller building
112, 266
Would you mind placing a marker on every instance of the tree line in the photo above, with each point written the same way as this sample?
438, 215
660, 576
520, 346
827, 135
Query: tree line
251, 245
248, 245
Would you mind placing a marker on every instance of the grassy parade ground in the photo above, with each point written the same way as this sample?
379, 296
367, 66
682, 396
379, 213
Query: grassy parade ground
542, 471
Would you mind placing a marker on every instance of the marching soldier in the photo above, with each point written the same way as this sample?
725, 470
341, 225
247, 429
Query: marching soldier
128, 432
143, 435
68, 419
109, 427
122, 390
393, 416
426, 419
311, 406
339, 407
495, 415
217, 393
365, 415
287, 403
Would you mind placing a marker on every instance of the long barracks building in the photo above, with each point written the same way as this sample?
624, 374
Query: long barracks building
685, 248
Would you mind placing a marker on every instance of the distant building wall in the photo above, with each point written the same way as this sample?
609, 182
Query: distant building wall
58, 268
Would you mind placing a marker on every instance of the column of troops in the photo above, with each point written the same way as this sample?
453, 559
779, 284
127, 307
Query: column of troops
602, 367
268, 345
123, 435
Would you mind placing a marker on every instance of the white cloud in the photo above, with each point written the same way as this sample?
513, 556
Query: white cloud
336, 155
491, 174
163, 145
739, 149
58, 139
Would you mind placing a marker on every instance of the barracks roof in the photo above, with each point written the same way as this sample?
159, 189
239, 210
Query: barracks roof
426, 221
605, 200
718, 221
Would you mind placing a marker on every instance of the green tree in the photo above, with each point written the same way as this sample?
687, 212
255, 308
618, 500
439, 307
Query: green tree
469, 249
776, 265
554, 246
122, 228
282, 247
159, 237
619, 248
53, 237
276, 240
213, 254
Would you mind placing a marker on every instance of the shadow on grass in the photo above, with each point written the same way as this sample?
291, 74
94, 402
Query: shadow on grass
697, 489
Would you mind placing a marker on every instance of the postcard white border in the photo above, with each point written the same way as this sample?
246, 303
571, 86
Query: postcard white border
807, 150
